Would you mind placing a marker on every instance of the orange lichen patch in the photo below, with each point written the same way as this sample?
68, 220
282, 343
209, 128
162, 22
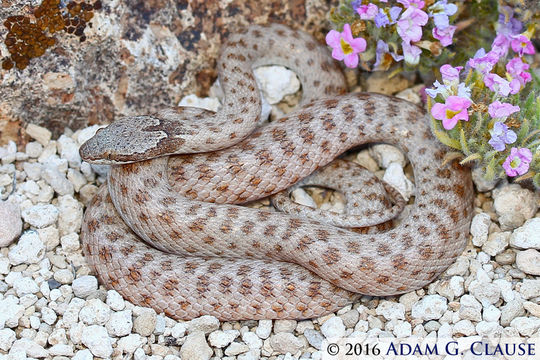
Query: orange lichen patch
30, 36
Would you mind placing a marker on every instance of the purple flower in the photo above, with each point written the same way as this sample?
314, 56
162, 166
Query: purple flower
483, 62
516, 68
522, 45
440, 11
409, 26
450, 73
411, 53
517, 163
452, 111
383, 56
385, 17
498, 109
345, 47
500, 135
444, 35
507, 24
501, 86
367, 12
500, 45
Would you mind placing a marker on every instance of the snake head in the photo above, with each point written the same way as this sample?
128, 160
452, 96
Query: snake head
137, 138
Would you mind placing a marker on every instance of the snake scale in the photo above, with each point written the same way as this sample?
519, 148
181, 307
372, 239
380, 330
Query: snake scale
203, 255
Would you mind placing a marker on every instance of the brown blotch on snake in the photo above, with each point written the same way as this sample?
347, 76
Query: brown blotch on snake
191, 239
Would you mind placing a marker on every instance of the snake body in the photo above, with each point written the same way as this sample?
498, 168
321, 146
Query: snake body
203, 255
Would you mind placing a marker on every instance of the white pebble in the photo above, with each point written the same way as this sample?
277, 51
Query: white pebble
179, 330
206, 324
69, 150
25, 285
32, 170
252, 340
527, 236
284, 326
115, 300
120, 323
145, 323
402, 329
221, 339
470, 308
526, 326
528, 261
84, 286
95, 312
486, 293
496, 243
70, 242
83, 355
276, 82
236, 348
488, 329
10, 222
64, 276
29, 249
386, 154
128, 344
491, 313
97, 340
431, 307
61, 350
283, 343
511, 310
30, 347
39, 133
530, 288
48, 315
333, 327
300, 196
264, 328
391, 310
57, 180
76, 178
40, 216
33, 149
7, 337
479, 228
464, 327
195, 347
514, 205
395, 176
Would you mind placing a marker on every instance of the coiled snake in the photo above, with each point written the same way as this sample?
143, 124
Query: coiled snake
203, 255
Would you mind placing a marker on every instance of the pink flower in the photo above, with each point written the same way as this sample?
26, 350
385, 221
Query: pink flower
411, 53
516, 68
345, 47
444, 35
412, 3
498, 109
501, 86
367, 12
409, 26
450, 73
522, 45
483, 62
452, 111
517, 163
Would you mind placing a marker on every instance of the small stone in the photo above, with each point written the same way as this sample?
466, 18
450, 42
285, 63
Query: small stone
314, 338
32, 170
145, 323
195, 347
205, 323
252, 340
128, 344
61, 350
391, 310
533, 308
71, 213
69, 150
25, 285
284, 325
507, 257
491, 313
479, 228
470, 308
40, 216
84, 286
514, 205
70, 242
526, 326
33, 149
300, 196
48, 315
64, 276
530, 288
83, 355
76, 179
464, 327
29, 249
7, 337
386, 154
275, 82
395, 176
510, 311
264, 328
528, 261
283, 343
482, 185
431, 307
57, 180
488, 329
221, 339
333, 327
50, 237
350, 318
41, 134
364, 158
408, 300
30, 347
192, 100
486, 293
115, 300
120, 323
460, 267
179, 330
95, 312
527, 236
97, 340
10, 222
236, 348
402, 329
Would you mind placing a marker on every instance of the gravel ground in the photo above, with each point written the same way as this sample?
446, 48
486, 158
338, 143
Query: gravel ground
53, 307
